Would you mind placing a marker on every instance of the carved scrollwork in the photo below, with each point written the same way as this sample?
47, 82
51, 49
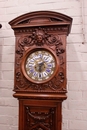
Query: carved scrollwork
23, 83
23, 42
52, 39
39, 37
58, 80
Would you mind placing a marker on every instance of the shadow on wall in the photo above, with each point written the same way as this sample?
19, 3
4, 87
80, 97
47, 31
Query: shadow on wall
75, 105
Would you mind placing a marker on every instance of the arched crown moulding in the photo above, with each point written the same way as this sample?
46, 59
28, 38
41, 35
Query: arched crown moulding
49, 18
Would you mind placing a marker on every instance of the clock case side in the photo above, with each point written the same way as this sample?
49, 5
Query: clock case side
54, 28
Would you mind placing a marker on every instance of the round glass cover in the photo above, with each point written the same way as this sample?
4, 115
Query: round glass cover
40, 65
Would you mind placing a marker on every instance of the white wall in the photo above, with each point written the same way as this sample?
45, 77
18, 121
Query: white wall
75, 107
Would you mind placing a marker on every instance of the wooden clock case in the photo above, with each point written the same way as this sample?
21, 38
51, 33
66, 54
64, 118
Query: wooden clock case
40, 104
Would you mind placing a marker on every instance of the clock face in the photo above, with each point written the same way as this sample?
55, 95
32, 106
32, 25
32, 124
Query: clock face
40, 65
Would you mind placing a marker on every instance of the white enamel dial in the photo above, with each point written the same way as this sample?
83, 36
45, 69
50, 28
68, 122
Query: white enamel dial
40, 65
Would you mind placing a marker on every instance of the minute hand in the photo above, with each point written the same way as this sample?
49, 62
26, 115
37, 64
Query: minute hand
40, 66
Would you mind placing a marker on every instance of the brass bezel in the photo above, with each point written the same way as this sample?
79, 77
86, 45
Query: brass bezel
33, 49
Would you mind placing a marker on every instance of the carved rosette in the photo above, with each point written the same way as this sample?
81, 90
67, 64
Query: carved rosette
39, 37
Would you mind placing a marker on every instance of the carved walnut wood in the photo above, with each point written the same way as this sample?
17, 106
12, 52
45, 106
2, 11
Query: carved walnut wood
40, 103
55, 44
36, 117
36, 30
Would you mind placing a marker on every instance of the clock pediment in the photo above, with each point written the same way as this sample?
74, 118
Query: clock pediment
41, 18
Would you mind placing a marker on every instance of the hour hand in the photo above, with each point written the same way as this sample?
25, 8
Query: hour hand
40, 66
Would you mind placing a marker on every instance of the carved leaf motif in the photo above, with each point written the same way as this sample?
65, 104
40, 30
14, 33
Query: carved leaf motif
40, 37
21, 81
25, 84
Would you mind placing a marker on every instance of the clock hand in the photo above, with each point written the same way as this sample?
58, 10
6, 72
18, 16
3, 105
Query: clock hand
40, 66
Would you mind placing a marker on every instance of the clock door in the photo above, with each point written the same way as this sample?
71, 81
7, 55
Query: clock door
40, 68
40, 116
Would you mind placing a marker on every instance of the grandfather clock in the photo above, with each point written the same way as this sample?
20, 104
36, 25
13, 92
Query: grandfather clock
40, 68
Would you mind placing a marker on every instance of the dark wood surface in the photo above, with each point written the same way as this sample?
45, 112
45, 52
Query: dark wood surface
40, 104
40, 114
0, 26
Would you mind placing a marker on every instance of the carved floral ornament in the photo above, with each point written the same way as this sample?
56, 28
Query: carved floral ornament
40, 37
40, 120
